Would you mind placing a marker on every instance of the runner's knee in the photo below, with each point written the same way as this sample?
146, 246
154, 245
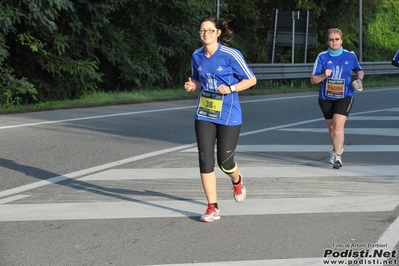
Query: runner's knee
228, 167
206, 165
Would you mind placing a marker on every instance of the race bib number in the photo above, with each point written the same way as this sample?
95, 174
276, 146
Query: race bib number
335, 88
210, 104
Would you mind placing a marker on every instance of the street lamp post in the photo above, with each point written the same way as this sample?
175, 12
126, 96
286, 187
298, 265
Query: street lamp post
218, 3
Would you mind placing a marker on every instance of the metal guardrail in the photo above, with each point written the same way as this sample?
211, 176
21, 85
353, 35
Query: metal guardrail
304, 70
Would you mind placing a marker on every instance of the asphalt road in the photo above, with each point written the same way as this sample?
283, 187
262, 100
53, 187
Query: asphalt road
120, 185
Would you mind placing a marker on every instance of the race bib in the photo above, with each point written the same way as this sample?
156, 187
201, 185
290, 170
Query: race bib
210, 104
335, 88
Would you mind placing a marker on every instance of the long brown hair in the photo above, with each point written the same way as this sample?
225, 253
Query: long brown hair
226, 35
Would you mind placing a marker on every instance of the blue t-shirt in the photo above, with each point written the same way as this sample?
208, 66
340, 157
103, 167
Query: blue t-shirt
339, 84
225, 67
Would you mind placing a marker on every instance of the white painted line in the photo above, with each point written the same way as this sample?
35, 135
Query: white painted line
280, 127
181, 108
94, 117
88, 171
24, 188
13, 198
135, 158
391, 235
316, 148
309, 148
305, 171
140, 112
144, 174
173, 208
301, 171
390, 132
309, 121
314, 95
376, 118
279, 262
375, 111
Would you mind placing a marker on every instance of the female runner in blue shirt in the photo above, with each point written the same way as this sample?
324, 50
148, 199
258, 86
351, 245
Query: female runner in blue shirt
333, 68
219, 72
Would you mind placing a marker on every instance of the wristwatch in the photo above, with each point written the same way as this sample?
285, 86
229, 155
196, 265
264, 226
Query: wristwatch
233, 88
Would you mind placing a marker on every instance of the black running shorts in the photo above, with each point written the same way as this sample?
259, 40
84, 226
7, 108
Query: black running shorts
342, 106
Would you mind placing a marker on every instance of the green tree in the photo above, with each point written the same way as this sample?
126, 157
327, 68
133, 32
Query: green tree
65, 49
381, 27
251, 21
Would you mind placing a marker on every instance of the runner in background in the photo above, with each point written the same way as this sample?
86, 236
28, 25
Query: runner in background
219, 72
333, 69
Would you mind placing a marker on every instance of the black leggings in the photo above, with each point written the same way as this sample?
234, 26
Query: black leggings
227, 138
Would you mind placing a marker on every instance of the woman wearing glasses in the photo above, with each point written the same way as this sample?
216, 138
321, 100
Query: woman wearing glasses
333, 69
219, 72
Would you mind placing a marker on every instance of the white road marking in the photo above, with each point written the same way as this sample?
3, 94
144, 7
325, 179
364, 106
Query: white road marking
93, 117
315, 148
297, 171
309, 148
134, 113
279, 262
192, 208
87, 171
78, 174
24, 212
283, 262
389, 132
375, 118
13, 198
184, 107
390, 236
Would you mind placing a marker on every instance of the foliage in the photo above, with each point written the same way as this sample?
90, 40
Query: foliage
65, 49
252, 20
15, 90
382, 30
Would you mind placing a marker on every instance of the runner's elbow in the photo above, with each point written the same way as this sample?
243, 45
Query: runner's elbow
312, 80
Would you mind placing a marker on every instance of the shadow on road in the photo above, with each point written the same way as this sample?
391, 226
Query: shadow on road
116, 193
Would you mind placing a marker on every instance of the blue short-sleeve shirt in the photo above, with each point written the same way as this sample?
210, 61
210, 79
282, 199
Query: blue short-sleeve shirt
225, 67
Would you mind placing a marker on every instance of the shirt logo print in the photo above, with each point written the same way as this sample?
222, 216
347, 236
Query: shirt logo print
219, 68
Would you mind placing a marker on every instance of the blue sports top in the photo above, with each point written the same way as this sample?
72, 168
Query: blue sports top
339, 84
225, 67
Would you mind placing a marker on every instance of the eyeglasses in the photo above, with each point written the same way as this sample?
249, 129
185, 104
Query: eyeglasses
207, 31
336, 39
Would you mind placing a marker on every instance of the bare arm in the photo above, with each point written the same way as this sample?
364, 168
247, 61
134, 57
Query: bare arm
360, 75
246, 84
315, 79
240, 86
